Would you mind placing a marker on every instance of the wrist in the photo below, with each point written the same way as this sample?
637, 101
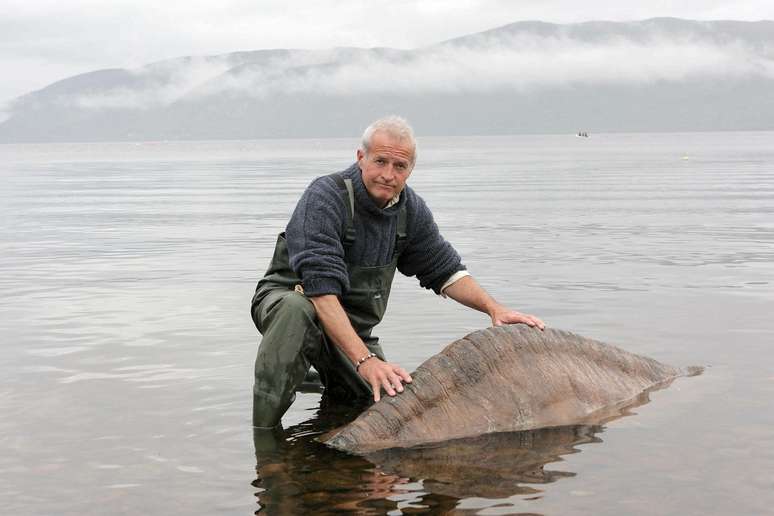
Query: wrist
492, 308
363, 359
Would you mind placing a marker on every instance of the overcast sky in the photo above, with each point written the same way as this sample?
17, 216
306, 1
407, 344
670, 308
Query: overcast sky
42, 41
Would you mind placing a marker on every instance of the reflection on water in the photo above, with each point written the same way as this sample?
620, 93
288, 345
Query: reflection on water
493, 465
296, 474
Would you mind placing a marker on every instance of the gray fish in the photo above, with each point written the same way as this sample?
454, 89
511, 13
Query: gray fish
505, 379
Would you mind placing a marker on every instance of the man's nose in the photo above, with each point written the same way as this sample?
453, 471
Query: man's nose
388, 172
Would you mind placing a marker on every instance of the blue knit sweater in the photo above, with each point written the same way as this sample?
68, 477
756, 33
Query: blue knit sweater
315, 233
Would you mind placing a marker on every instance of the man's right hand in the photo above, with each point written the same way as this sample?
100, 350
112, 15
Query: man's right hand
379, 375
383, 375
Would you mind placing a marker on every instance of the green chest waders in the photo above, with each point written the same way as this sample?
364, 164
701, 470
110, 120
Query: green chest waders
293, 338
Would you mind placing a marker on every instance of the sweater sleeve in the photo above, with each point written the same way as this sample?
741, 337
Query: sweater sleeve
314, 239
428, 256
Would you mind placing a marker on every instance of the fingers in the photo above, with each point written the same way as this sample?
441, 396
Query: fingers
403, 374
383, 375
388, 387
534, 322
370, 371
518, 318
376, 390
393, 382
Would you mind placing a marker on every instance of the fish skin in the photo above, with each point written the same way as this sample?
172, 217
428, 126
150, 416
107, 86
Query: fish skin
504, 379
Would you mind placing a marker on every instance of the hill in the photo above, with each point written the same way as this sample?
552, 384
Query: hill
661, 74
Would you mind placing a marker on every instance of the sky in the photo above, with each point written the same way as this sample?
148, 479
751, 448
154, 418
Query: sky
42, 41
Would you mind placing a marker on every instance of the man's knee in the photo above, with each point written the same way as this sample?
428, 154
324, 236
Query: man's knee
291, 327
298, 305
286, 308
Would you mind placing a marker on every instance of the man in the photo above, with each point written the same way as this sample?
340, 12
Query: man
329, 280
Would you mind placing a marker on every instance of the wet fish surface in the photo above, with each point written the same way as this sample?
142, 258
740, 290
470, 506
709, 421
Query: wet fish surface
505, 379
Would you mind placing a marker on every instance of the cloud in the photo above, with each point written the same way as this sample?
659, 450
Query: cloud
519, 63
164, 84
54, 39
522, 62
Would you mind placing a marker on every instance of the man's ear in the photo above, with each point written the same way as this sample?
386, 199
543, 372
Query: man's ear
360, 155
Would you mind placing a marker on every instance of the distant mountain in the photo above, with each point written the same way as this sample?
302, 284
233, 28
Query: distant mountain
662, 74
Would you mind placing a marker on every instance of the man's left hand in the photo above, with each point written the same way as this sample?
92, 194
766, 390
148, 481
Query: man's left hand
503, 315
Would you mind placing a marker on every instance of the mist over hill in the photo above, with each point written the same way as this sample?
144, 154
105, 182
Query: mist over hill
661, 74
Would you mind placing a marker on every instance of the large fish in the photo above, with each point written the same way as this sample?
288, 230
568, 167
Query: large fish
505, 379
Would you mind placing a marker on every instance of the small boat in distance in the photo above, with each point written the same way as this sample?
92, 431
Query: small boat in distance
582, 134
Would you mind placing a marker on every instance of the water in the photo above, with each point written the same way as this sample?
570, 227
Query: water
126, 272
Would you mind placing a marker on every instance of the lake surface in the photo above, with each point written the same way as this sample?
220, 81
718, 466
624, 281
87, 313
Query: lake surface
126, 272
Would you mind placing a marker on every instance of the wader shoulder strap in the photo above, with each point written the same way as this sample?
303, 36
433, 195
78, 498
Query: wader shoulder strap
400, 234
345, 185
401, 237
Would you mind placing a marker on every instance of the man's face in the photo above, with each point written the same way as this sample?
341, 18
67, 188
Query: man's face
386, 167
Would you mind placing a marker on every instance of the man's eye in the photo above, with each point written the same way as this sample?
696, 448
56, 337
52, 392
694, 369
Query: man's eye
380, 161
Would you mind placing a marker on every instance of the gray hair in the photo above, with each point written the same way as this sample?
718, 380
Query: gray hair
395, 126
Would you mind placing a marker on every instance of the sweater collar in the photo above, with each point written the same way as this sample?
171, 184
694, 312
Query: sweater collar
364, 201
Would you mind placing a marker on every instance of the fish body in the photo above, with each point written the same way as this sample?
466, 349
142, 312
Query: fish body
505, 379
